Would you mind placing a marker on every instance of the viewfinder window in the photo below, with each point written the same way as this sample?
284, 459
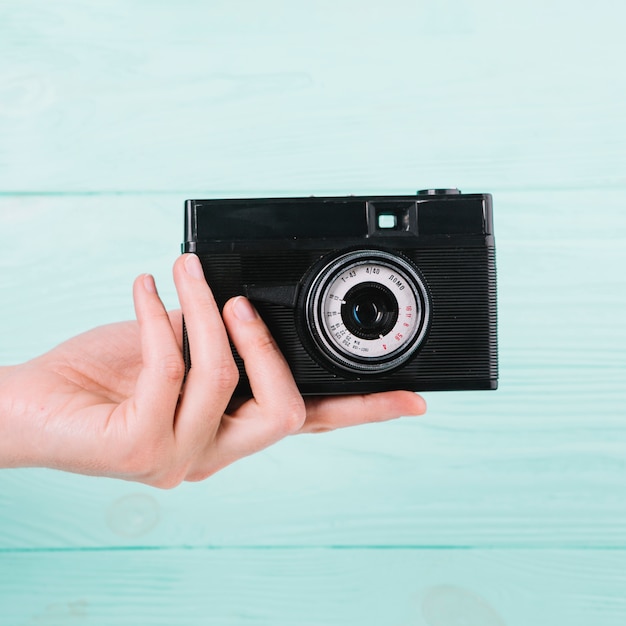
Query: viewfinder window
387, 221
392, 217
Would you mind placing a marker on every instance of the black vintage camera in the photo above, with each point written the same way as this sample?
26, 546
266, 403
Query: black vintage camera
361, 294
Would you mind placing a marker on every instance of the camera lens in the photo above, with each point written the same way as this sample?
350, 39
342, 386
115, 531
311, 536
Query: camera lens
366, 310
369, 310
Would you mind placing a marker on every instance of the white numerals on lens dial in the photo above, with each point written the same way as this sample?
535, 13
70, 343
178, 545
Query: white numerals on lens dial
409, 312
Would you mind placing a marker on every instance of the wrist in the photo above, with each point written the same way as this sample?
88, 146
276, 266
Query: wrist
6, 371
9, 435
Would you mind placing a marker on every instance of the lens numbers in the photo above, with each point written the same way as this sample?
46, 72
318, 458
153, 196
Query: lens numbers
334, 307
346, 277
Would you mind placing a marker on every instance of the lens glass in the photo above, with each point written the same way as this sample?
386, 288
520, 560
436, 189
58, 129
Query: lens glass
369, 310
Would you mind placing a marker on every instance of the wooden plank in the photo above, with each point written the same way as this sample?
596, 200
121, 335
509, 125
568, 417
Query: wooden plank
116, 96
537, 463
313, 587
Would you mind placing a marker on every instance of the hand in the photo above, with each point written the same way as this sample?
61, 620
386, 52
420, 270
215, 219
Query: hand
112, 402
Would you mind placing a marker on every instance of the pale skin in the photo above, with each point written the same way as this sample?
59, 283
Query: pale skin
111, 402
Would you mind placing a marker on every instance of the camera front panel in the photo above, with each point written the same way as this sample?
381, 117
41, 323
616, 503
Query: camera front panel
456, 351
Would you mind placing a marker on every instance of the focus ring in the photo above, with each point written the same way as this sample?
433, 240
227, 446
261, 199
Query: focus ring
367, 310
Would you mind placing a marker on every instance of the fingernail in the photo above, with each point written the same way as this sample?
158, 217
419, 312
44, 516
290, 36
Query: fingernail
193, 267
243, 310
148, 283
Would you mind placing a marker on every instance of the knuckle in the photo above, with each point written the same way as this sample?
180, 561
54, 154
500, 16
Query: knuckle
319, 428
205, 307
169, 479
173, 367
151, 460
226, 375
264, 343
200, 475
293, 415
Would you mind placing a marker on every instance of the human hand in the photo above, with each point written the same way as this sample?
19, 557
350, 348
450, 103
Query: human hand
111, 401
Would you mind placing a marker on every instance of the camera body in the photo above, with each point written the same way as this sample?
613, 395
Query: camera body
361, 293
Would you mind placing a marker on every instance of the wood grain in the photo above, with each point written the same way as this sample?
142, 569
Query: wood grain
191, 95
313, 587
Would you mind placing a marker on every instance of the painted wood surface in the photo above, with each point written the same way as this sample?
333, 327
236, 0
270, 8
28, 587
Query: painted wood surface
494, 508
313, 586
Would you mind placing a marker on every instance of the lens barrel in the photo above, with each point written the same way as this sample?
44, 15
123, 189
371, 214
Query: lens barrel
366, 310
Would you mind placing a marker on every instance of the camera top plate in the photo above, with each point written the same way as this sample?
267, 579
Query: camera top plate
438, 214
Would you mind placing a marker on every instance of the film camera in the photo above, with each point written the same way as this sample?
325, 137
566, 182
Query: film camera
361, 294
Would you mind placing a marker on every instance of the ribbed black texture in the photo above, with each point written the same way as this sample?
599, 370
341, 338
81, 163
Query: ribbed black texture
459, 352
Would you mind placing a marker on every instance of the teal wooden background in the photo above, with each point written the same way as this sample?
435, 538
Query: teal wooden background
505, 508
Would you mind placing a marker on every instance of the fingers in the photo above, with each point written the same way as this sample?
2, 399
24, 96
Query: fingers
270, 377
277, 408
176, 322
161, 377
204, 438
325, 414
213, 375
